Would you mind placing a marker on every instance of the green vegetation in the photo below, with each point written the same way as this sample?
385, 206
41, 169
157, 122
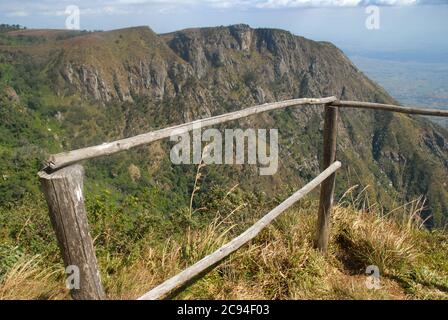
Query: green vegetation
20, 39
10, 27
145, 228
280, 263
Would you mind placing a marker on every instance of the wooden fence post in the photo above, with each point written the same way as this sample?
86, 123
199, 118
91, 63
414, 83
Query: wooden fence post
64, 194
327, 187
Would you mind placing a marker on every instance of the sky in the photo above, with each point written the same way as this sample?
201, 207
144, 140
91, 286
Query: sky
416, 29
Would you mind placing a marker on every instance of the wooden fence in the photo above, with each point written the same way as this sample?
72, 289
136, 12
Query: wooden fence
62, 184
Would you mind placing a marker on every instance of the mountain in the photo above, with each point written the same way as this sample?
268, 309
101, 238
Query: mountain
62, 90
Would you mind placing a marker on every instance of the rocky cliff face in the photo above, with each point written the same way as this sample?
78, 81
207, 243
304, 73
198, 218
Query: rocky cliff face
195, 73
301, 66
110, 66
274, 64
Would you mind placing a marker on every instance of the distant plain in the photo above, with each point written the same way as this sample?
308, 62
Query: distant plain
414, 83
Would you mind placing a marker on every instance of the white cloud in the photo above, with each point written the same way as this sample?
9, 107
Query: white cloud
15, 8
331, 3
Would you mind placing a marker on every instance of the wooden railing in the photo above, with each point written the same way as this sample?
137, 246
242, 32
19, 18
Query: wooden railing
199, 267
62, 183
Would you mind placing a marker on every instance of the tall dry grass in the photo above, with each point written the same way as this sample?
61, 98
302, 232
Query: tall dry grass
281, 263
28, 279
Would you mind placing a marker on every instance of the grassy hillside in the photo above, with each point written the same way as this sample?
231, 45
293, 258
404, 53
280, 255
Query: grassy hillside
279, 264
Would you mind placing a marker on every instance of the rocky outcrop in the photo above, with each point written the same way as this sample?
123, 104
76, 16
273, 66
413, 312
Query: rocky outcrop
243, 34
89, 81
11, 94
197, 73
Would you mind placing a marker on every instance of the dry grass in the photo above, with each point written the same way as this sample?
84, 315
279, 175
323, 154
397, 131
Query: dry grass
28, 280
155, 266
369, 239
280, 263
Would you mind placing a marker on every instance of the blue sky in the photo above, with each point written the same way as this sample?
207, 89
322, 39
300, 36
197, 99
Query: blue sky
417, 27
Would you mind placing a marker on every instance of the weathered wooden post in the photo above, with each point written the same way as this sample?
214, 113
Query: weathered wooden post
64, 194
327, 187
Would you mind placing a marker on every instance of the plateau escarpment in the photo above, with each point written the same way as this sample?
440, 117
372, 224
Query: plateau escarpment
133, 80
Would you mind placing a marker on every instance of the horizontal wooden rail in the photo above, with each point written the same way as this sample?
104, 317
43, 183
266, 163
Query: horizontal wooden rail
66, 158
391, 107
205, 263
